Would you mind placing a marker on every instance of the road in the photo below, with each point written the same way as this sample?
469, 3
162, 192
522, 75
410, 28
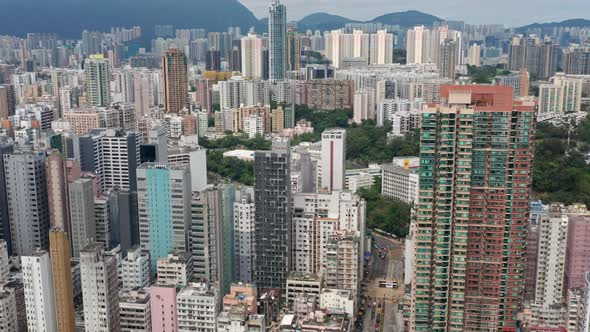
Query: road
381, 310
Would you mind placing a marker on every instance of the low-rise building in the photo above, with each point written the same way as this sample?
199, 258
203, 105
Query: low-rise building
303, 283
338, 300
176, 269
401, 183
135, 310
197, 307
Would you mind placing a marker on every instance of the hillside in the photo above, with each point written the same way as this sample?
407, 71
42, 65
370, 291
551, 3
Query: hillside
69, 17
408, 18
578, 22
323, 21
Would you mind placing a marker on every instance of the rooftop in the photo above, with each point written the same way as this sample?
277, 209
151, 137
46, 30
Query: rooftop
302, 276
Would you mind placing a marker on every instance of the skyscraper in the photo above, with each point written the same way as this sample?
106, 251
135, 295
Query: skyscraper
5, 148
163, 193
333, 159
62, 280
272, 197
381, 49
82, 214
476, 162
252, 56
448, 59
100, 289
277, 40
26, 189
293, 51
174, 67
39, 292
96, 69
7, 101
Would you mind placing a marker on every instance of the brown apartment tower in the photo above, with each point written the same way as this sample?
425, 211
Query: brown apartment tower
59, 245
174, 67
476, 156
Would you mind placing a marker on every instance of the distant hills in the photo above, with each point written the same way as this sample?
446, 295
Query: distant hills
579, 22
69, 17
325, 21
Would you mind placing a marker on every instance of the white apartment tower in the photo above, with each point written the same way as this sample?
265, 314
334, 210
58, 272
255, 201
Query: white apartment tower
39, 292
100, 289
244, 218
364, 105
551, 257
136, 269
197, 307
381, 52
333, 159
252, 56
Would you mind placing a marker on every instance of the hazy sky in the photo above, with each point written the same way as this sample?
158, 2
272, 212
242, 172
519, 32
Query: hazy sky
509, 12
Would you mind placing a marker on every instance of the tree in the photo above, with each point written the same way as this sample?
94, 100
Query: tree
386, 214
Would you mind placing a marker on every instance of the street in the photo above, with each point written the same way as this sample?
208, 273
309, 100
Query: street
381, 308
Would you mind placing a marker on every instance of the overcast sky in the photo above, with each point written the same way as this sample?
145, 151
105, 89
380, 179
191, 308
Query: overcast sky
509, 12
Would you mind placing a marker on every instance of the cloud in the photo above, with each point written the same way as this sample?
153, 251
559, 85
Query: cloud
509, 12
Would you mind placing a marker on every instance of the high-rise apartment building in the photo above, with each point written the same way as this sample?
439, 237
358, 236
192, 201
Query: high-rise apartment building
174, 67
244, 235
7, 101
364, 105
332, 164
476, 159
82, 212
39, 292
277, 40
252, 56
325, 94
5, 148
164, 196
576, 60
577, 261
424, 45
62, 280
97, 81
550, 259
474, 55
341, 46
100, 289
293, 51
272, 197
539, 57
26, 189
206, 233
563, 94
448, 59
116, 158
381, 49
